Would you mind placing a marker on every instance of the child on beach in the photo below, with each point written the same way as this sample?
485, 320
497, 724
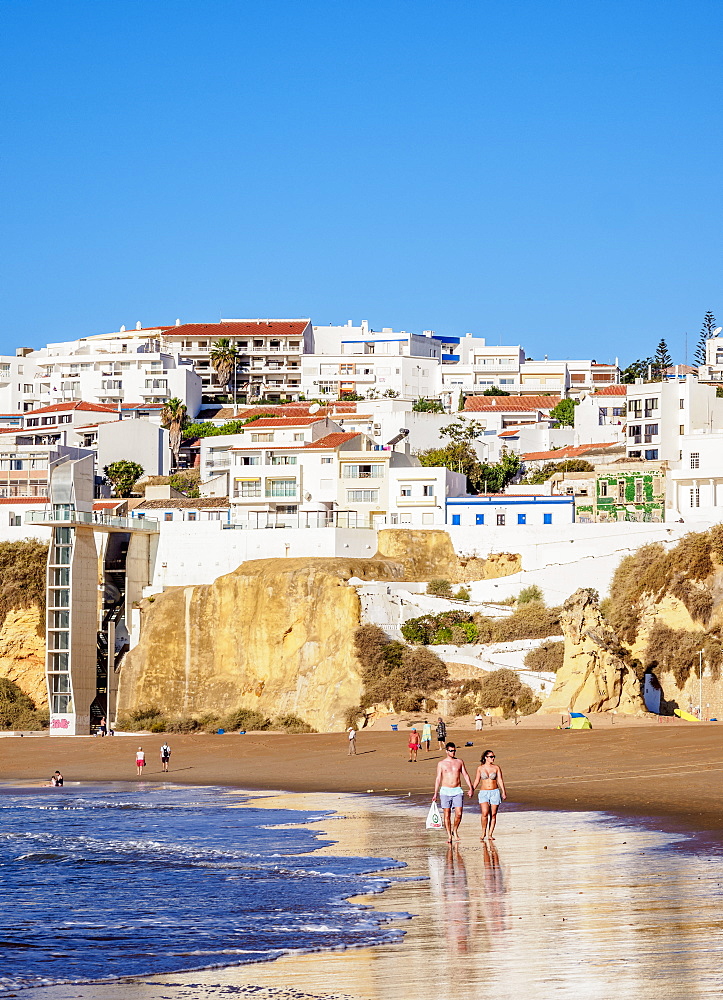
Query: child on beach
413, 746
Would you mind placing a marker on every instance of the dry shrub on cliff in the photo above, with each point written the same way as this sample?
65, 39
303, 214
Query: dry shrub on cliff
17, 710
547, 658
292, 724
676, 651
394, 672
531, 621
22, 575
697, 600
504, 689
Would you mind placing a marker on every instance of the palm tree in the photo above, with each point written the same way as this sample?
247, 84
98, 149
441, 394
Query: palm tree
173, 416
223, 359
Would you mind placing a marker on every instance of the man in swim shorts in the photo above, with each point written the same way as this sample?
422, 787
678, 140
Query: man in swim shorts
450, 772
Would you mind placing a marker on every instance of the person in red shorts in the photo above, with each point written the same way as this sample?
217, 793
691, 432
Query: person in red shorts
413, 746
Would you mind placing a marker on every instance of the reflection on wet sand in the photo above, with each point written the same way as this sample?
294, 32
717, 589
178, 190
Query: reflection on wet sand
561, 906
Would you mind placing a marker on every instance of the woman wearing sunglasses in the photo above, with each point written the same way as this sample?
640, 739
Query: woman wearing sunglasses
492, 791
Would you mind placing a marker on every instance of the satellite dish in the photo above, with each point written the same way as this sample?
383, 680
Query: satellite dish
717, 330
314, 408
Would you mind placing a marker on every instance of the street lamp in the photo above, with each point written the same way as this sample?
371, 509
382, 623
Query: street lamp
700, 685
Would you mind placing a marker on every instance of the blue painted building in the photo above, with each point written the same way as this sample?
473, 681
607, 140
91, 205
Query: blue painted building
503, 509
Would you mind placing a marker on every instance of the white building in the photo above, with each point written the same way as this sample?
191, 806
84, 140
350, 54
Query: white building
501, 510
660, 414
695, 487
601, 416
333, 340
20, 389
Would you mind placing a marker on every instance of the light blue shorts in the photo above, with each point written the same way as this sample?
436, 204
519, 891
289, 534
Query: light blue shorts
491, 795
451, 798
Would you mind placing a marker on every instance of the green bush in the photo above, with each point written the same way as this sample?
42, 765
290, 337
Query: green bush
462, 594
292, 724
531, 593
439, 588
424, 629
394, 672
547, 658
17, 709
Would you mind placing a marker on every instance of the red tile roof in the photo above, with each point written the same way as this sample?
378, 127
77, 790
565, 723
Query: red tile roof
80, 405
612, 390
271, 422
332, 440
240, 328
514, 433
510, 404
289, 410
43, 501
578, 451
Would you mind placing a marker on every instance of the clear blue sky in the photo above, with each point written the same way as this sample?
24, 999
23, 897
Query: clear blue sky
547, 173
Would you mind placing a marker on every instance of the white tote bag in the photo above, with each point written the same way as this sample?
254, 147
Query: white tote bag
434, 820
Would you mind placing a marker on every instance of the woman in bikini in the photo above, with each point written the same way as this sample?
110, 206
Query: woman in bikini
492, 791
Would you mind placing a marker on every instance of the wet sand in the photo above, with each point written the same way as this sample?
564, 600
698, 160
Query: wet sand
670, 772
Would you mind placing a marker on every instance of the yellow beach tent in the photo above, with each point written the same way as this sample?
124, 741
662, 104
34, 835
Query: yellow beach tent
579, 721
686, 715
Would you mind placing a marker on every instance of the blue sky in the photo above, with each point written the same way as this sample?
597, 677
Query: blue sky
538, 173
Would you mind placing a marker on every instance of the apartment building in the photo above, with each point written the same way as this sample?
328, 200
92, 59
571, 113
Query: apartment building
498, 413
20, 388
334, 340
269, 353
371, 376
601, 415
660, 414
696, 484
471, 366
113, 370
712, 371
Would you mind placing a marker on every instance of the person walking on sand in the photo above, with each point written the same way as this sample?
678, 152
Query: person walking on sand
427, 736
413, 746
441, 733
352, 741
479, 721
450, 772
165, 756
140, 761
492, 792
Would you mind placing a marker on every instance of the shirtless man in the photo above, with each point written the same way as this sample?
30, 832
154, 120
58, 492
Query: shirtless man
450, 772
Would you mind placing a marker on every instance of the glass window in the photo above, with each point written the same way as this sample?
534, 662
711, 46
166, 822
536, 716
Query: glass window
283, 459
60, 577
500, 519
57, 640
59, 598
281, 488
603, 488
695, 459
59, 619
251, 488
428, 491
362, 496
62, 704
168, 516
405, 491
522, 518
651, 455
326, 459
262, 437
58, 661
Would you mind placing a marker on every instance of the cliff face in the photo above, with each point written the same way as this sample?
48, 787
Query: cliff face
430, 555
594, 676
22, 653
276, 635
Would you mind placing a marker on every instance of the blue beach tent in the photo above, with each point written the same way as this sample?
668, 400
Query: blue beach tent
579, 721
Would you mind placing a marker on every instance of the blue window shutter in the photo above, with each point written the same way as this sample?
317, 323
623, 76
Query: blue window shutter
522, 518
455, 518
547, 518
479, 519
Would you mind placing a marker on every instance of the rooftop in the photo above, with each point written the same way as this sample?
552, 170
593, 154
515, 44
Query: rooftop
178, 503
78, 405
240, 328
510, 404
612, 390
572, 451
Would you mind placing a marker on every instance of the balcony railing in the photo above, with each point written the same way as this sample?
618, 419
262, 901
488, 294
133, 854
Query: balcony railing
65, 515
305, 519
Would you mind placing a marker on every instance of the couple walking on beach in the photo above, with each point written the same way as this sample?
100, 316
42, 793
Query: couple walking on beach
448, 785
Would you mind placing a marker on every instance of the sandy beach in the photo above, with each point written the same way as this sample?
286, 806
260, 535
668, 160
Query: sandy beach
669, 771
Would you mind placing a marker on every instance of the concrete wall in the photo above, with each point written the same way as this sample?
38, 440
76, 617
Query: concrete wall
137, 441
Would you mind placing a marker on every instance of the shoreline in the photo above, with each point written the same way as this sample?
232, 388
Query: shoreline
663, 774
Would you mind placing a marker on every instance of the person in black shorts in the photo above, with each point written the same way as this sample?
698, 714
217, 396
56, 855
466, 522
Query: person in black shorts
441, 733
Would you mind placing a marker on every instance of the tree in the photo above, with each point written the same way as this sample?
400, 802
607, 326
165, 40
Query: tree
564, 412
540, 476
124, 475
223, 359
495, 390
173, 416
706, 333
662, 361
462, 430
494, 478
636, 369
427, 406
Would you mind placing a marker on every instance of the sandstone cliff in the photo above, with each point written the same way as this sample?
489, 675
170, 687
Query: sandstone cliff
429, 555
594, 676
22, 652
276, 635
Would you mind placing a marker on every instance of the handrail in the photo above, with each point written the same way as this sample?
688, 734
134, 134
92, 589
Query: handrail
49, 515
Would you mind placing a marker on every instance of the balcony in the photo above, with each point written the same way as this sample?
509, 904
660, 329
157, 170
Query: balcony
60, 514
417, 501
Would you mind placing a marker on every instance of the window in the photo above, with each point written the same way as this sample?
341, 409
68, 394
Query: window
241, 459
681, 404
695, 459
651, 404
363, 472
262, 437
191, 515
634, 430
681, 429
500, 519
326, 459
603, 489
283, 459
299, 437
651, 455
547, 518
651, 428
455, 518
362, 496
479, 519
405, 491
168, 516
281, 488
27, 388
522, 518
633, 454
428, 491
695, 496
248, 488
638, 491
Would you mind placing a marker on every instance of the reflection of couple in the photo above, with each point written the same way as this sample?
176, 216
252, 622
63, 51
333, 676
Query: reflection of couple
451, 888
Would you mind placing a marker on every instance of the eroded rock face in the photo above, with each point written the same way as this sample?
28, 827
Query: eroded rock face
430, 555
276, 635
594, 676
22, 653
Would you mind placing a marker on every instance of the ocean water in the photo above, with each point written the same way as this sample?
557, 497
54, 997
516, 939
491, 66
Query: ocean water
102, 882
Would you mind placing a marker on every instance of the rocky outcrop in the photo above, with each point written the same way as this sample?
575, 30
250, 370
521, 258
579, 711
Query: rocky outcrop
22, 652
276, 635
430, 555
594, 676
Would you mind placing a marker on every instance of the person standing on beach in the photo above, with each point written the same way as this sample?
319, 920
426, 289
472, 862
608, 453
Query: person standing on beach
413, 746
492, 791
427, 735
140, 761
441, 733
165, 756
352, 741
450, 772
103, 730
479, 721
